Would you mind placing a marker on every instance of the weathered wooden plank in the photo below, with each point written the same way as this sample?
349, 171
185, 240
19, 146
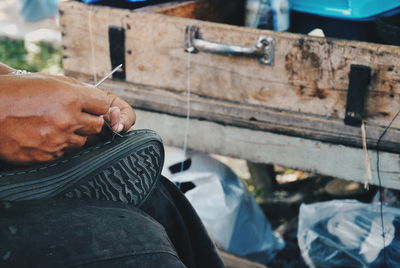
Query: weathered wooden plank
310, 74
254, 117
263, 147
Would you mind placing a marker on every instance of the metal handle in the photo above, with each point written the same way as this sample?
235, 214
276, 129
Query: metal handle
263, 50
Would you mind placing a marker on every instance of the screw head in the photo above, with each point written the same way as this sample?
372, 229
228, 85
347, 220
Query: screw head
265, 42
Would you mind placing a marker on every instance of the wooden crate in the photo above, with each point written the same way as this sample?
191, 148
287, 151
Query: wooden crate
302, 94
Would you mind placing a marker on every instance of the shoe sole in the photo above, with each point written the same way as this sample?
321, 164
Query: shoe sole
125, 169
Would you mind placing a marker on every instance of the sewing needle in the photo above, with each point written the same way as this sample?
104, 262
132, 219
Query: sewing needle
101, 82
108, 75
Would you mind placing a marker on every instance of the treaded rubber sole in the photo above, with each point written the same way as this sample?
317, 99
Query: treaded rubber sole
125, 169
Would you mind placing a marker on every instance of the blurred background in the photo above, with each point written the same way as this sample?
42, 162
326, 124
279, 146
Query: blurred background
32, 46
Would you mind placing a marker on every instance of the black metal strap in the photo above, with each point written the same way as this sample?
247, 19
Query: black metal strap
116, 40
359, 79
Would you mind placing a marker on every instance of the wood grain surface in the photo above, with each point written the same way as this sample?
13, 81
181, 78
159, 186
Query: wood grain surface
302, 94
262, 147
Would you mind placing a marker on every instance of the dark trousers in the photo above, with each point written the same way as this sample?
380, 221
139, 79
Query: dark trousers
164, 231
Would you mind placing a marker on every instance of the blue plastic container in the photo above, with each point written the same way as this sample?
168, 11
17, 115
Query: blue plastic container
346, 9
347, 19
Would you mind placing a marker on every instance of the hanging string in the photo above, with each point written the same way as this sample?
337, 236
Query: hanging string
188, 97
93, 59
92, 52
98, 84
367, 160
380, 183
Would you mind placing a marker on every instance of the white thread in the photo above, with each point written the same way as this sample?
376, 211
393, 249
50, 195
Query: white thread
96, 84
91, 45
99, 83
367, 160
188, 95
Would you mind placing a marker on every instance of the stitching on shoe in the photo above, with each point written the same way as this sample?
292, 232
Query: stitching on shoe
55, 164
62, 161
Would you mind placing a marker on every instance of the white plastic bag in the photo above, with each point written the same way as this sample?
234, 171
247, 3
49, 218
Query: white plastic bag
229, 212
348, 233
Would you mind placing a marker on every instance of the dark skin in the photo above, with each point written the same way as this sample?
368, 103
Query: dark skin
43, 116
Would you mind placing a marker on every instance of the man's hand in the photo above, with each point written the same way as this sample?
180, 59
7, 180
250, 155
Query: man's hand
4, 69
121, 115
41, 116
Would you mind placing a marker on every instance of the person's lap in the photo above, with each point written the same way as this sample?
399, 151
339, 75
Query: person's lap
95, 233
158, 226
86, 233
173, 211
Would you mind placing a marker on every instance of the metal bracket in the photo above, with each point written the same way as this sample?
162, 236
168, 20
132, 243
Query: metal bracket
263, 50
116, 40
359, 79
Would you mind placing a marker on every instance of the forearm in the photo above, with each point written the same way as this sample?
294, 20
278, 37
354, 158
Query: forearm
4, 69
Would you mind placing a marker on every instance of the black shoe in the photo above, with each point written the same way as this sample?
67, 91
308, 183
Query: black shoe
124, 169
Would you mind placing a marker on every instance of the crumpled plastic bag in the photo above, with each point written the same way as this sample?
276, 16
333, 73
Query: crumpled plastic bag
348, 233
229, 212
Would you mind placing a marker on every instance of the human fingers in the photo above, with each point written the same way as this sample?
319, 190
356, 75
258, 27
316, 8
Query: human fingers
76, 141
39, 156
4, 69
128, 116
91, 124
24, 157
113, 119
128, 119
94, 100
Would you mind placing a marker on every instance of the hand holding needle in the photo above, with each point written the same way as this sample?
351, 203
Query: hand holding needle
114, 112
